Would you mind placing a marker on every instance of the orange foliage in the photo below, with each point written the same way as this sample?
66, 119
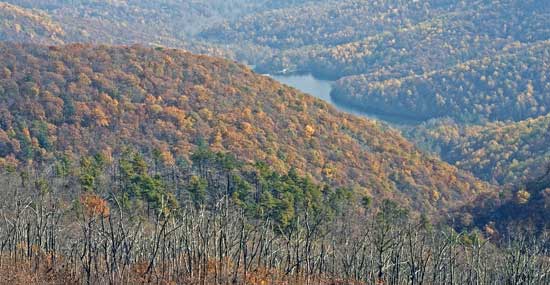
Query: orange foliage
94, 206
267, 121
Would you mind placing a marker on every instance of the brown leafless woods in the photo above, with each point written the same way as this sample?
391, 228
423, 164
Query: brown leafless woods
54, 232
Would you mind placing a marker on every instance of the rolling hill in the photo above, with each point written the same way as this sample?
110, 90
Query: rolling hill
126, 159
170, 23
509, 86
505, 153
396, 57
26, 25
81, 99
525, 207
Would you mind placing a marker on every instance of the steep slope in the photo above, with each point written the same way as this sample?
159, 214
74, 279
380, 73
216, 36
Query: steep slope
325, 23
509, 86
339, 38
525, 208
169, 22
24, 25
506, 153
404, 57
82, 99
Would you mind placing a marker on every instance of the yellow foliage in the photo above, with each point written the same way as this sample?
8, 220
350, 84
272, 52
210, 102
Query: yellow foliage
247, 127
9, 162
26, 133
352, 151
309, 131
175, 113
247, 113
217, 141
6, 73
201, 92
100, 118
206, 114
435, 195
328, 172
167, 158
522, 197
84, 79
156, 108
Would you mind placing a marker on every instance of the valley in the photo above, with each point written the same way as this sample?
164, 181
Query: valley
322, 89
275, 142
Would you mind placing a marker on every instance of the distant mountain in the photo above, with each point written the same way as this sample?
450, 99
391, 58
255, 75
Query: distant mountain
154, 23
170, 23
26, 25
323, 23
506, 153
424, 59
510, 86
398, 39
81, 99
395, 57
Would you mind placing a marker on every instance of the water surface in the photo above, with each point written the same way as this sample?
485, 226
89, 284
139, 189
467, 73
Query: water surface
318, 88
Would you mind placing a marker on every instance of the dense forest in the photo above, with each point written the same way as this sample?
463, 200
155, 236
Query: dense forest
295, 27
527, 206
395, 57
129, 155
81, 99
509, 86
392, 57
412, 37
158, 23
504, 153
24, 25
102, 21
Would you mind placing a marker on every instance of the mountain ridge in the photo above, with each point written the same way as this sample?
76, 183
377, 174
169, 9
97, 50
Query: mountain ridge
62, 98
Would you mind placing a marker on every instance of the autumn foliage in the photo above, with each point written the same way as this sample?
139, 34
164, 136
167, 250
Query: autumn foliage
79, 99
94, 206
504, 153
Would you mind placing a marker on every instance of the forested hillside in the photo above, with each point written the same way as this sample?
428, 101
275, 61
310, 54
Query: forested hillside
357, 27
412, 37
510, 86
325, 23
396, 57
166, 23
80, 99
153, 23
139, 20
25, 25
506, 153
474, 61
526, 206
126, 159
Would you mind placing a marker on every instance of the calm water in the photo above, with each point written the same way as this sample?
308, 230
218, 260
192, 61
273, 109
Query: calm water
318, 88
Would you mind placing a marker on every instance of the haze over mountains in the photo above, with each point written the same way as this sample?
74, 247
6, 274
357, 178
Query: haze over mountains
473, 61
155, 110
391, 57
